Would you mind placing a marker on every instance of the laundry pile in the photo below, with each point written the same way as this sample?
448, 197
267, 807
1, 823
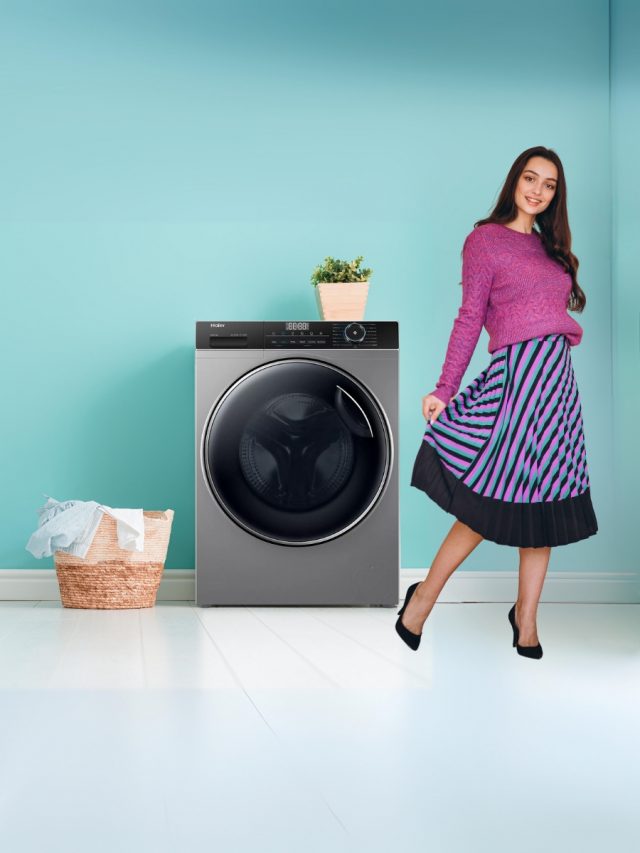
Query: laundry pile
70, 526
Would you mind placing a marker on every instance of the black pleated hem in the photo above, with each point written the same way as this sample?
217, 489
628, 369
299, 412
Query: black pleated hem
525, 525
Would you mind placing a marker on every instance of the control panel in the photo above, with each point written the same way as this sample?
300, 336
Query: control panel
297, 334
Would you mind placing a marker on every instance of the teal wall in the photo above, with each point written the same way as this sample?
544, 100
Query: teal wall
171, 161
625, 145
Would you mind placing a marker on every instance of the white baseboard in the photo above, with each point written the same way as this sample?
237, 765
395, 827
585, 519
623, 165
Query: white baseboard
42, 585
579, 587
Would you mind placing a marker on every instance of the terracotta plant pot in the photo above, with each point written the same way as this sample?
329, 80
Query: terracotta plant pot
342, 300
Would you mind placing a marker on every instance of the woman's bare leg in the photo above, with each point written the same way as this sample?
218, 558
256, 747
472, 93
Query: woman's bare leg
533, 569
457, 545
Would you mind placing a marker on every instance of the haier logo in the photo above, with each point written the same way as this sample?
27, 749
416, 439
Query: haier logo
217, 325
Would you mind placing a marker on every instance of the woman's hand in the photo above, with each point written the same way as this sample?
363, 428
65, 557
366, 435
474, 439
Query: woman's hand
431, 407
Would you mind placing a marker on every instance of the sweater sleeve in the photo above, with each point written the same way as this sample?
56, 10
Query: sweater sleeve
477, 276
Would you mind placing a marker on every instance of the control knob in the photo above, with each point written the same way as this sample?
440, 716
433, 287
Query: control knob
355, 332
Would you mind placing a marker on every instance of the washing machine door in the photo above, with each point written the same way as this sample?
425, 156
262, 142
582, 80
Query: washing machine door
297, 451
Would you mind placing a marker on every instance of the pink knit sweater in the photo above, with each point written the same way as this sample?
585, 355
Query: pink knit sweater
513, 288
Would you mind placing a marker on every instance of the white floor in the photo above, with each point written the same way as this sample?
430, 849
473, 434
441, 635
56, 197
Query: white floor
316, 729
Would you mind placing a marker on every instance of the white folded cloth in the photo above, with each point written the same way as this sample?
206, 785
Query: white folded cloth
70, 526
130, 527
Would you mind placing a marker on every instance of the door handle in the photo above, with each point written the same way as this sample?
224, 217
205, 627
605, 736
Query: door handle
358, 426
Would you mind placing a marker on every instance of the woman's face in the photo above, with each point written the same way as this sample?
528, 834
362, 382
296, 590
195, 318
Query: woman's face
537, 186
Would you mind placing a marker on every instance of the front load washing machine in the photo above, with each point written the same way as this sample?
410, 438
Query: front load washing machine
297, 463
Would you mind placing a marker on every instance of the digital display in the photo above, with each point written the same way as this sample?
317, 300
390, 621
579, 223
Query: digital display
297, 327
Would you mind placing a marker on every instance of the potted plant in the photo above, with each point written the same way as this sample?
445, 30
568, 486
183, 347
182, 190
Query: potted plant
342, 288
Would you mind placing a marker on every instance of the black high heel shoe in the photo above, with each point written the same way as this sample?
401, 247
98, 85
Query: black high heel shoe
411, 639
512, 619
525, 651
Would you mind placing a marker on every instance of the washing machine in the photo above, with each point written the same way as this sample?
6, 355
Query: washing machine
296, 428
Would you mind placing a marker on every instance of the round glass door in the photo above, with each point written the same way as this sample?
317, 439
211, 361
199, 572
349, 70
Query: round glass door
297, 451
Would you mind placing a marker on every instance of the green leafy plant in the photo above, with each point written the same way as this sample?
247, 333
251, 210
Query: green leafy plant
336, 270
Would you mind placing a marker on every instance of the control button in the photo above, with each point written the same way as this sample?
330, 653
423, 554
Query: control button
355, 332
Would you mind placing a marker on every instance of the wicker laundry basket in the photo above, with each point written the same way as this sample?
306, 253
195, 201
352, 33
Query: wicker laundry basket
111, 578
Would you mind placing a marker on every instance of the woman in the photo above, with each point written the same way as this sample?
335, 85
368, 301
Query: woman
506, 455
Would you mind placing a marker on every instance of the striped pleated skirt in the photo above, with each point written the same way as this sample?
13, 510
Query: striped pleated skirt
507, 455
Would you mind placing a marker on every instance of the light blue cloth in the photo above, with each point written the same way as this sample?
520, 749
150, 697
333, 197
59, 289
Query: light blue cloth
67, 526
70, 526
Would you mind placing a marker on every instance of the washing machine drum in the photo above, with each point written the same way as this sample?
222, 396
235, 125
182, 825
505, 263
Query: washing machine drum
297, 452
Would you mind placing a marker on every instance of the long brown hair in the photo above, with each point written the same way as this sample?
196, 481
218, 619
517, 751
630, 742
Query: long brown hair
553, 222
